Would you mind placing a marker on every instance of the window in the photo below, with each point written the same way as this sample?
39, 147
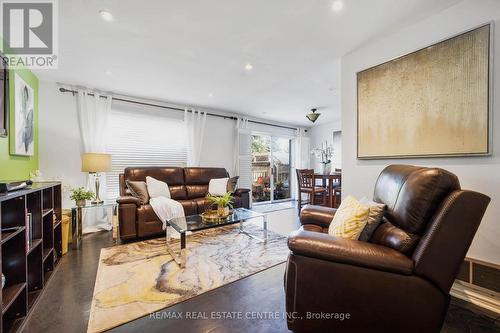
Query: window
141, 136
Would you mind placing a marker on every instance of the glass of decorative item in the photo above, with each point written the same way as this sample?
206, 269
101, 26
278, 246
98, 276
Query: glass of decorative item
324, 154
224, 203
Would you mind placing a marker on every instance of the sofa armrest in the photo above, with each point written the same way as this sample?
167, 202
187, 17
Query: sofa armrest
317, 215
238, 192
350, 252
244, 194
128, 199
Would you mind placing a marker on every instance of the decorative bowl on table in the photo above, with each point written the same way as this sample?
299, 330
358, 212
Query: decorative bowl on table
212, 216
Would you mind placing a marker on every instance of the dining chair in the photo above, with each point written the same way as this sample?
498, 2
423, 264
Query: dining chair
307, 184
337, 190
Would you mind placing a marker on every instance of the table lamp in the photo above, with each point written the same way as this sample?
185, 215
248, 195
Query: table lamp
94, 163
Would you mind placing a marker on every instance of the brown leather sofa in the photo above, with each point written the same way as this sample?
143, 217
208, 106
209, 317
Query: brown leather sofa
400, 280
189, 186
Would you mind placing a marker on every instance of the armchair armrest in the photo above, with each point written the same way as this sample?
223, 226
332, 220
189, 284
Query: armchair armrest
241, 191
350, 252
317, 215
128, 199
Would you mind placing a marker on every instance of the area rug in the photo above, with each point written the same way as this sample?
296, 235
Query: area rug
134, 280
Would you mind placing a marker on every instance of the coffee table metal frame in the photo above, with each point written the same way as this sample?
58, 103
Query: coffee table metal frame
181, 258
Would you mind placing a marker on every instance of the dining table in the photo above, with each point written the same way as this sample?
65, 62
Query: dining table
329, 180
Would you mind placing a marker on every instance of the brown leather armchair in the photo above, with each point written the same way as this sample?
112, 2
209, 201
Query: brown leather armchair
398, 281
189, 186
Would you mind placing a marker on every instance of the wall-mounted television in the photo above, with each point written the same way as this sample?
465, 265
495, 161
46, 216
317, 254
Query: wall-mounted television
4, 96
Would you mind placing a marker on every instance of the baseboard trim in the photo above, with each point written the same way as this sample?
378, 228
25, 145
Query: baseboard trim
484, 298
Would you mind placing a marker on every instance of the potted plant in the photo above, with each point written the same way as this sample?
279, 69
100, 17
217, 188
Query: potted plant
80, 196
224, 203
325, 153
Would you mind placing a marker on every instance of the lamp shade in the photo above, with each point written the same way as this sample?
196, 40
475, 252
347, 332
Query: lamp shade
93, 162
313, 115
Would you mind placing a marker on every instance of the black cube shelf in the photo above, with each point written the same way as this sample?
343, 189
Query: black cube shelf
29, 251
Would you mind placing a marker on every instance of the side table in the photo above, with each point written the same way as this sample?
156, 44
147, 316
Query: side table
77, 221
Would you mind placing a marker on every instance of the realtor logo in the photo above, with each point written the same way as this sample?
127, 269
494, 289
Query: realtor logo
29, 33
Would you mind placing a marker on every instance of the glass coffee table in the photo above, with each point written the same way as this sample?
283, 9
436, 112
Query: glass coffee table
195, 223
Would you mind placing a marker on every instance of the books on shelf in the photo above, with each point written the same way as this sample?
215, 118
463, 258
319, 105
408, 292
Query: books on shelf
29, 230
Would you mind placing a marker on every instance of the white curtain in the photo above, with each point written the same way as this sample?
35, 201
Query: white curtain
93, 111
195, 122
243, 154
240, 128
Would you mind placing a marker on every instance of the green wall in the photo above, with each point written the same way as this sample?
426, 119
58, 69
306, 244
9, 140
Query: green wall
19, 167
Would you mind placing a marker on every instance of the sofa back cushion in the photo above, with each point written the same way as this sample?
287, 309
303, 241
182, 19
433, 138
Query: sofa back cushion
197, 180
183, 183
173, 176
413, 194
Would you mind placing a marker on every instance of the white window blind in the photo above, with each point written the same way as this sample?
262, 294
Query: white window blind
143, 137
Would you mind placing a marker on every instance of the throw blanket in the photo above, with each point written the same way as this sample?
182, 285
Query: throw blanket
167, 209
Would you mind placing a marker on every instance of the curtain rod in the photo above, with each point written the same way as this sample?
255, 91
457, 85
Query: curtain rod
64, 90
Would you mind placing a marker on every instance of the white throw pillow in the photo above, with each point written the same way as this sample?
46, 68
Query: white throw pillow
218, 186
157, 188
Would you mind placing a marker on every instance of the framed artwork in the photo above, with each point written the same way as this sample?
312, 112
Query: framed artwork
433, 102
22, 136
4, 96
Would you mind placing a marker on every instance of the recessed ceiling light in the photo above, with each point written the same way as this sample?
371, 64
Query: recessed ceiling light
106, 16
337, 5
108, 73
210, 95
248, 67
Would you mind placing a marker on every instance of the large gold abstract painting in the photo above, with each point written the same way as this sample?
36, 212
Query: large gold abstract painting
432, 102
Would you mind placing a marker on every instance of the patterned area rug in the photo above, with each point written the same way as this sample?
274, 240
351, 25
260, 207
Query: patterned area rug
134, 280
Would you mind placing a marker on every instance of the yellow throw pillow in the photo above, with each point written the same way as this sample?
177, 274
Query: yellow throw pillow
350, 219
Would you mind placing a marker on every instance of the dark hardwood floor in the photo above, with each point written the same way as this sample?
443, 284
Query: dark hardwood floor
65, 304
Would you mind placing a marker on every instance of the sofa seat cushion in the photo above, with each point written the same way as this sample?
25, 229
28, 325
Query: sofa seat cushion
348, 251
145, 213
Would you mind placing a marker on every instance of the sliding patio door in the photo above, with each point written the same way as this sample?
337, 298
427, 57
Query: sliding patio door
271, 156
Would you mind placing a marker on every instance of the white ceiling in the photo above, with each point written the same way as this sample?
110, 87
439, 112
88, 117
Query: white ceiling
182, 50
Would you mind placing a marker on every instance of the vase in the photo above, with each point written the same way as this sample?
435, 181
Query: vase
81, 203
327, 168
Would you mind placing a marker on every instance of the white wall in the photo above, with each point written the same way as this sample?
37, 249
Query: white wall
476, 173
320, 134
60, 143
